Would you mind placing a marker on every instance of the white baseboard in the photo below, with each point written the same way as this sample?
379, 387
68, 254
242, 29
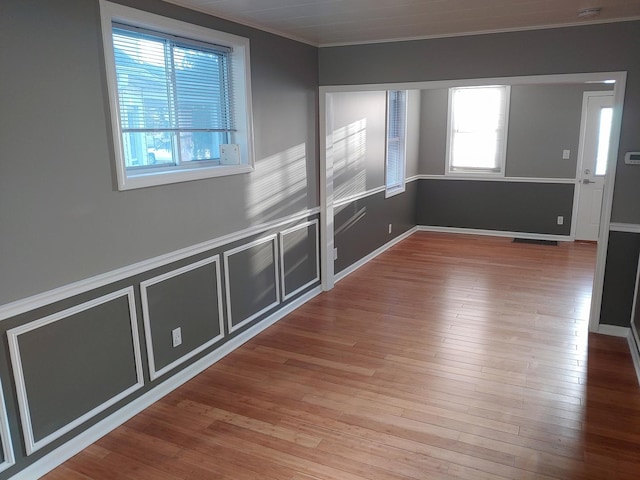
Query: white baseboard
634, 347
353, 267
614, 331
496, 233
100, 429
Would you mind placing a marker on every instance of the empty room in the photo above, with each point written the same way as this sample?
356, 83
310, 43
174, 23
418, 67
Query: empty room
332, 239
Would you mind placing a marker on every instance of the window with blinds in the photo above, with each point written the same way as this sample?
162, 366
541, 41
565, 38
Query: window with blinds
477, 129
179, 98
396, 142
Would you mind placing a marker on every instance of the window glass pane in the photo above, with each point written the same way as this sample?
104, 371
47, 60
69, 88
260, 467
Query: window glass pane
148, 149
396, 132
604, 134
200, 77
198, 146
478, 120
143, 81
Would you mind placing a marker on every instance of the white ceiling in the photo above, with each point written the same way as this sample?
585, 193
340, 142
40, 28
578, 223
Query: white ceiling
339, 22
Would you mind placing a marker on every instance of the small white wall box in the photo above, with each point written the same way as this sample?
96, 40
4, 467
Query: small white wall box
229, 154
632, 158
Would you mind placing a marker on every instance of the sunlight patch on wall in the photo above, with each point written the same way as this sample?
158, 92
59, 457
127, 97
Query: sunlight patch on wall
349, 149
280, 180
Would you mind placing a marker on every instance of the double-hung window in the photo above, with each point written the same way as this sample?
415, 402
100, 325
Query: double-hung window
179, 98
396, 142
477, 136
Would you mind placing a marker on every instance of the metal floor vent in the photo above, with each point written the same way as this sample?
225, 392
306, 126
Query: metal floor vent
536, 242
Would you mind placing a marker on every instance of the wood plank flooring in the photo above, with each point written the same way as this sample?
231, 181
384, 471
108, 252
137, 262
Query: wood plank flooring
447, 357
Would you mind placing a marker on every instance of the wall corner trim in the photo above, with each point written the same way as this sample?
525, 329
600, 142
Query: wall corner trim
352, 268
634, 348
495, 233
86, 438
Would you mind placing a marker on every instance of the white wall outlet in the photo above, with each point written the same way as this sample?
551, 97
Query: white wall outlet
176, 336
566, 154
390, 227
560, 220
335, 253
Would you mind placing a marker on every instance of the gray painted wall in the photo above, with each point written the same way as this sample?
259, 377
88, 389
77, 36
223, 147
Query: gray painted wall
359, 121
592, 48
62, 218
362, 226
505, 206
544, 120
433, 131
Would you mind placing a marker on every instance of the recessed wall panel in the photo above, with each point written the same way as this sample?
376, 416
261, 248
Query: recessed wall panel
72, 365
251, 281
299, 251
189, 299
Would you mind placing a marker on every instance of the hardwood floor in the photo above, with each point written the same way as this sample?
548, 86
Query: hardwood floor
447, 357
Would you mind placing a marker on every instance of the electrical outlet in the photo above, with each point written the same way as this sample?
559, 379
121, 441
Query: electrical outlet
566, 154
335, 253
176, 336
560, 220
390, 227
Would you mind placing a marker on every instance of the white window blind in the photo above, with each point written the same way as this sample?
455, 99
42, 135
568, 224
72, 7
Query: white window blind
173, 98
477, 136
396, 140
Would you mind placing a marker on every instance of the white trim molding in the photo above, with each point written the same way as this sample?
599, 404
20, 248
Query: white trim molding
486, 178
495, 233
32, 445
5, 435
358, 196
39, 300
286, 295
146, 315
634, 347
353, 267
270, 238
624, 227
61, 454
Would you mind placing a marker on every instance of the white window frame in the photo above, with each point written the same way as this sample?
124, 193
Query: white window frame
395, 188
501, 154
240, 90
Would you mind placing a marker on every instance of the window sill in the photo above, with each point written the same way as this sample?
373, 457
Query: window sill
131, 181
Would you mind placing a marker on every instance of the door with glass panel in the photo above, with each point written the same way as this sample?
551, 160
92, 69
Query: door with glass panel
592, 166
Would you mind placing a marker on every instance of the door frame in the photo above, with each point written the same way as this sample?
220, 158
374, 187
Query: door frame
326, 161
580, 160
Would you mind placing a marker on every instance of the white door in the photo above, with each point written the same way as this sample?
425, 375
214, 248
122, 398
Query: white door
595, 134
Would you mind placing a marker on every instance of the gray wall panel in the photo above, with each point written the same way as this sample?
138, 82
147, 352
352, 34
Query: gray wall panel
362, 226
620, 278
505, 206
252, 286
61, 216
359, 122
188, 301
77, 363
299, 255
